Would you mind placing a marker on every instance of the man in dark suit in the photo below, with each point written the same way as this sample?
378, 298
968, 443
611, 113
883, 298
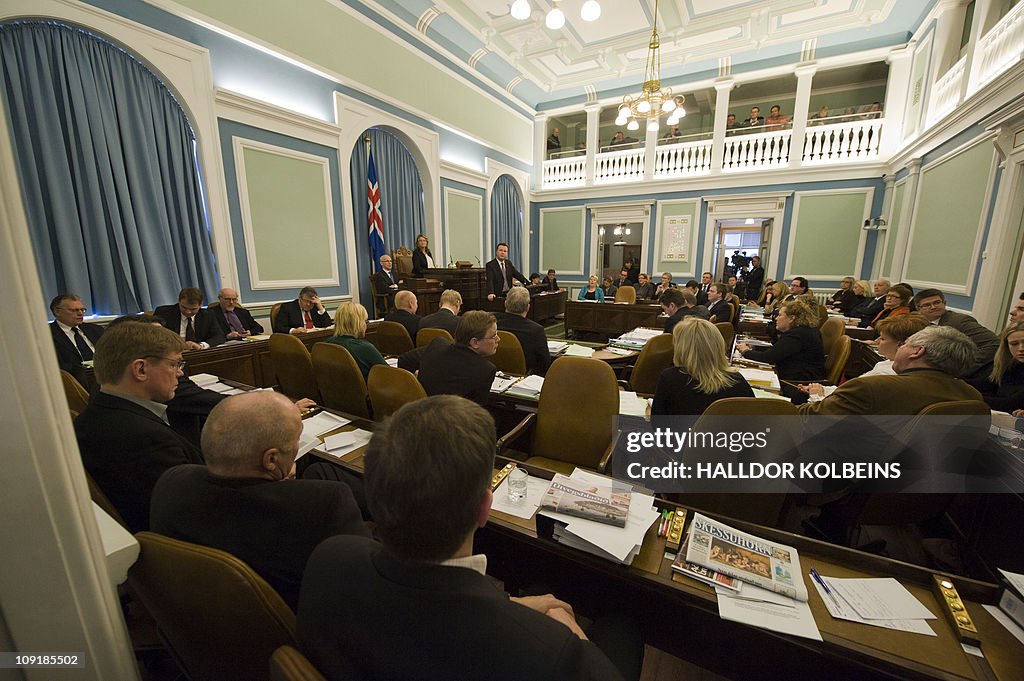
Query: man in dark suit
754, 278
870, 309
189, 320
405, 313
246, 501
73, 339
705, 285
719, 308
550, 282
447, 315
931, 303
530, 334
623, 279
385, 282
459, 368
123, 435
305, 313
679, 303
428, 473
234, 321
501, 272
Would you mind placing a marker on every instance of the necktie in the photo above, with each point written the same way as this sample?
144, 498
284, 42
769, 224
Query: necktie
190, 331
309, 320
504, 277
234, 322
83, 347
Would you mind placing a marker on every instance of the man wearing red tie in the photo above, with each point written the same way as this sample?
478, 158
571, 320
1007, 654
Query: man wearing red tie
306, 313
501, 272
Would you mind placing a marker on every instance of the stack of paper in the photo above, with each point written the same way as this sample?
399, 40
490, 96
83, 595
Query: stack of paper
501, 383
635, 339
574, 350
323, 422
203, 380
880, 602
630, 404
528, 387
343, 443
555, 347
760, 378
619, 544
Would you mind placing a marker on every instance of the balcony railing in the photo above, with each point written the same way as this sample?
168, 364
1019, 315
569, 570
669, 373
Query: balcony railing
1001, 47
683, 159
757, 151
946, 93
622, 165
844, 141
568, 172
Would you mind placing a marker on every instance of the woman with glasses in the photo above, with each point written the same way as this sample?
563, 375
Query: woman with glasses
897, 302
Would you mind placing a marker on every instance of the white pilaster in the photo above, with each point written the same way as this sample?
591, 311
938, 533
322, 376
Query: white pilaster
897, 91
593, 133
899, 253
723, 88
982, 12
882, 236
540, 145
804, 78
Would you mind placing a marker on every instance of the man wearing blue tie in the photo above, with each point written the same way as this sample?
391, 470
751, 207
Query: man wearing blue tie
386, 281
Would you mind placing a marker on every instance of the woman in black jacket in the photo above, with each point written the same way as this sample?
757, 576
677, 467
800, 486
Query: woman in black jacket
421, 257
1003, 389
798, 354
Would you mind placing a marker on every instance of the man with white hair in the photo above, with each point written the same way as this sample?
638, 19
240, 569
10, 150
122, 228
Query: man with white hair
246, 501
529, 333
234, 321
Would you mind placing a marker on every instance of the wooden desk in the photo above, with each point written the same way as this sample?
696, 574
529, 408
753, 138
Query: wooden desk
543, 306
471, 283
680, 616
610, 319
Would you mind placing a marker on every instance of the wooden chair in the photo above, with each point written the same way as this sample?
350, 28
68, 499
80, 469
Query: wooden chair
391, 388
103, 501
835, 361
728, 332
655, 357
575, 417
403, 261
392, 338
426, 336
509, 357
831, 330
274, 309
220, 620
294, 367
76, 395
822, 315
380, 301
288, 664
339, 379
625, 294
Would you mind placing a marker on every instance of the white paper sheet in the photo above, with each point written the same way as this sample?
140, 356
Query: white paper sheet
323, 422
203, 380
392, 362
840, 609
574, 350
883, 598
1002, 618
797, 620
306, 443
535, 488
1015, 580
632, 405
357, 438
759, 377
500, 385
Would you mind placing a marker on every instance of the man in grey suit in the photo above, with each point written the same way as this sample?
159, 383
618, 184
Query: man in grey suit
931, 303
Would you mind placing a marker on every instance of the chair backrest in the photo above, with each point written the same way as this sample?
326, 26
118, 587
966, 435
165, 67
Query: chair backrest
390, 388
625, 294
835, 362
576, 411
655, 357
293, 366
392, 338
288, 664
341, 383
750, 406
831, 330
76, 395
380, 300
101, 500
956, 408
425, 336
509, 357
822, 314
274, 309
220, 619
728, 332
403, 263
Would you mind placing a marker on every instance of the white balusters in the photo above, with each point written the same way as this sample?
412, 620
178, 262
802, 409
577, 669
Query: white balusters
565, 172
1001, 47
683, 159
756, 151
623, 165
853, 140
946, 93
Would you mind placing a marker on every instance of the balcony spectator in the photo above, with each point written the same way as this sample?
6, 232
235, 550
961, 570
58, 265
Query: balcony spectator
756, 119
776, 118
819, 118
730, 124
554, 144
673, 135
621, 140
874, 111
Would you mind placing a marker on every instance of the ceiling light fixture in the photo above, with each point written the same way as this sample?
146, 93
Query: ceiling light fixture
590, 11
652, 100
555, 18
520, 10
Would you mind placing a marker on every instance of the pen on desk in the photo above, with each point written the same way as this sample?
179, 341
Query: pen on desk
816, 577
663, 525
668, 522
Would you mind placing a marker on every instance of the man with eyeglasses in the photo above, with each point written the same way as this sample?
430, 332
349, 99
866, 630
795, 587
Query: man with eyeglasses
123, 434
190, 321
931, 303
234, 321
459, 368
73, 339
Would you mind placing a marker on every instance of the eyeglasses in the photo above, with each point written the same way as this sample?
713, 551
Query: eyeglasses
74, 309
179, 364
928, 306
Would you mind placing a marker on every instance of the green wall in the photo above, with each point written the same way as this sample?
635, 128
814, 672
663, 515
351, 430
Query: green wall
826, 234
950, 201
464, 219
561, 239
289, 209
332, 37
893, 231
669, 209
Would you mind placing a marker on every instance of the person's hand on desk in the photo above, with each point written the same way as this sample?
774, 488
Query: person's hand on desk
742, 347
813, 389
235, 335
1018, 412
568, 620
305, 404
490, 296
192, 345
299, 329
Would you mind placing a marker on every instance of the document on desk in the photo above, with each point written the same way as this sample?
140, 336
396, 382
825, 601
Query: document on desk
574, 350
794, 617
306, 443
501, 383
879, 599
323, 422
203, 380
392, 362
343, 443
760, 377
630, 404
840, 609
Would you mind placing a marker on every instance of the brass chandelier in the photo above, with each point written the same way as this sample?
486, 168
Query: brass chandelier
653, 100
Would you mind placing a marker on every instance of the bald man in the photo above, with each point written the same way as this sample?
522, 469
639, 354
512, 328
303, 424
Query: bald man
246, 501
234, 321
405, 313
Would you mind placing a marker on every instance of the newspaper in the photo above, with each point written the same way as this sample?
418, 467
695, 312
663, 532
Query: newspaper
703, 574
595, 502
771, 566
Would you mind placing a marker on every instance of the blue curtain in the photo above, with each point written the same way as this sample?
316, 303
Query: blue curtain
108, 169
507, 220
401, 201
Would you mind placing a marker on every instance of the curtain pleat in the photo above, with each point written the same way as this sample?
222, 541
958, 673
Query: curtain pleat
108, 171
507, 219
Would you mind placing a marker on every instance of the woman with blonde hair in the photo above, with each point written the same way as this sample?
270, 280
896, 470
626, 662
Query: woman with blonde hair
349, 329
592, 291
1004, 388
700, 374
421, 256
798, 354
841, 299
774, 296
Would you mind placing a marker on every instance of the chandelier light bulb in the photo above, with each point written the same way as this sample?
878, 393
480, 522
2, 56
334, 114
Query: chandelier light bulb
633, 125
679, 112
620, 121
643, 106
652, 125
520, 10
555, 19
623, 111
590, 11
668, 105
600, 231
671, 120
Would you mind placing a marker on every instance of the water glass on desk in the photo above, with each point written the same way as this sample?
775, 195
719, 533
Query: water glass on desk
517, 478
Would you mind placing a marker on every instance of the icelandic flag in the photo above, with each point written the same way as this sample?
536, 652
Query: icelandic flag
375, 220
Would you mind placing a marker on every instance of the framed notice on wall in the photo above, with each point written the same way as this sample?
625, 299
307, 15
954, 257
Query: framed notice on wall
675, 237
